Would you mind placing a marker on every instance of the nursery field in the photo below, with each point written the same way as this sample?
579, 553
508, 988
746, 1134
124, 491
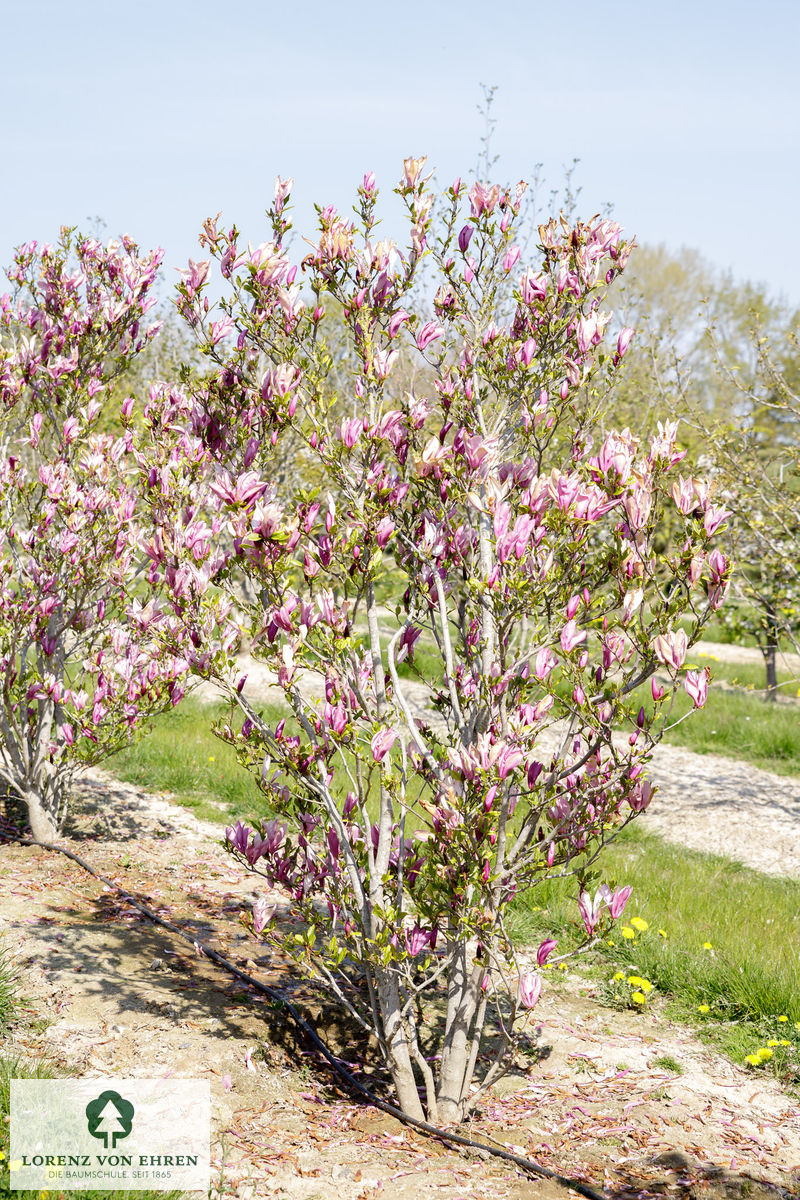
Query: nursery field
667, 1062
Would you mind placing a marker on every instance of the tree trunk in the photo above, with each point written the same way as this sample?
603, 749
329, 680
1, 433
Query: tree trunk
44, 826
462, 1001
405, 1081
771, 654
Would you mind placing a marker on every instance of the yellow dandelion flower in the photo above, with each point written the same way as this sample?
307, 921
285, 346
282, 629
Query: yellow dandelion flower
638, 997
2, 1156
627, 932
765, 1055
662, 933
783, 1017
619, 975
784, 1042
753, 1059
211, 758
773, 1042
704, 1008
639, 924
610, 942
561, 967
707, 946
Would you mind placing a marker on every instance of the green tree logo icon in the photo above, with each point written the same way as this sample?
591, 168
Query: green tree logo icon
109, 1116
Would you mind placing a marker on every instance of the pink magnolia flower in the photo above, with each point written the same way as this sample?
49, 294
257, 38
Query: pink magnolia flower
533, 287
417, 939
70, 430
511, 258
530, 989
713, 518
670, 648
590, 910
350, 431
641, 795
545, 661
663, 446
631, 604
686, 496
238, 836
382, 743
623, 341
483, 198
616, 454
717, 565
382, 362
590, 330
221, 329
429, 333
383, 531
508, 760
465, 237
412, 169
543, 707
397, 319
617, 902
407, 640
263, 912
571, 636
545, 950
696, 684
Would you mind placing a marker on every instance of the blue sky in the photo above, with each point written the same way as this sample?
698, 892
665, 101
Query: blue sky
153, 115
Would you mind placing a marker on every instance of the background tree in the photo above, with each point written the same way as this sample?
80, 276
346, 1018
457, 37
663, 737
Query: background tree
79, 664
722, 358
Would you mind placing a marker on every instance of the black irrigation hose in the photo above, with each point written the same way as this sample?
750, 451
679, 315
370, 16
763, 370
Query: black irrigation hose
457, 1139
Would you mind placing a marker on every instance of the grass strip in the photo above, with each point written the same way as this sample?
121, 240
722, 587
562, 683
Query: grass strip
182, 756
8, 990
717, 938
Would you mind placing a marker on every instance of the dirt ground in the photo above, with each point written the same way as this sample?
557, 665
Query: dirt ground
110, 994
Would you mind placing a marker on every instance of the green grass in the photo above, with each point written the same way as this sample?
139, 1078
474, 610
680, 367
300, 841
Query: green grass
16, 1068
665, 1062
749, 977
8, 991
182, 756
740, 725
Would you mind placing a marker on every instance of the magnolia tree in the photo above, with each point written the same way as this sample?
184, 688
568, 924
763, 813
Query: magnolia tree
79, 660
463, 615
